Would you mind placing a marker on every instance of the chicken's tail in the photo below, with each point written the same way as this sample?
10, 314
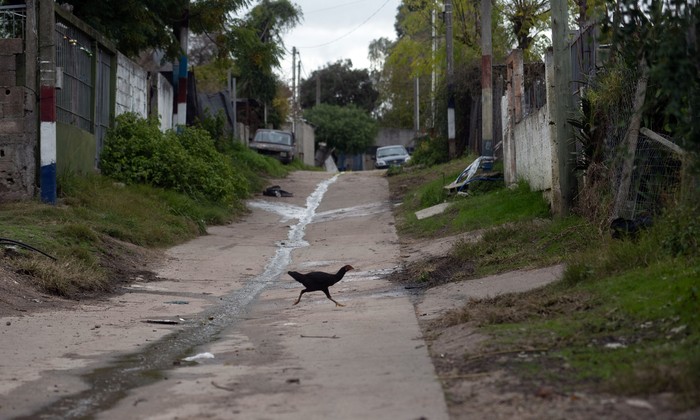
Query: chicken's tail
296, 276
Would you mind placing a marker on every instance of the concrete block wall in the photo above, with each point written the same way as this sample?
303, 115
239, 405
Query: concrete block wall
17, 131
132, 87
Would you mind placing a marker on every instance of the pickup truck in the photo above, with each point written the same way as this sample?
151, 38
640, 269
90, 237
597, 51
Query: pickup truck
275, 143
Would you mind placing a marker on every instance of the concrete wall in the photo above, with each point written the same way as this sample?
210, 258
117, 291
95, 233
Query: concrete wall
390, 136
528, 146
533, 148
306, 139
165, 96
132, 87
18, 120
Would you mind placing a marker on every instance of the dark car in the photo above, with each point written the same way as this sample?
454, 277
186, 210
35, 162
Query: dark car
275, 143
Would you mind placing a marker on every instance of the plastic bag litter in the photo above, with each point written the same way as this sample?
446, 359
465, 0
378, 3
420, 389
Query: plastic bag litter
206, 355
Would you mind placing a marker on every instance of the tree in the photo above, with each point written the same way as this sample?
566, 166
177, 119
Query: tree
140, 25
256, 46
528, 19
664, 36
347, 129
340, 85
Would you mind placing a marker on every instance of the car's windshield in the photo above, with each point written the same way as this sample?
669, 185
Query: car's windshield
274, 137
391, 151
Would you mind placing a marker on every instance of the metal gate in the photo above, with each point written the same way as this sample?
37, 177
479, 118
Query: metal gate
103, 100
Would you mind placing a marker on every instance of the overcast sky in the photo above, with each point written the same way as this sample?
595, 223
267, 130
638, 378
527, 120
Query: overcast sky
338, 29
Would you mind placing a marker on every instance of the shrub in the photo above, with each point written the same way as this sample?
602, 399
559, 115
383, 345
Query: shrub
430, 151
136, 151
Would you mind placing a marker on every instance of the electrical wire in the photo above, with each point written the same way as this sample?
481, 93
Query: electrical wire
350, 32
334, 7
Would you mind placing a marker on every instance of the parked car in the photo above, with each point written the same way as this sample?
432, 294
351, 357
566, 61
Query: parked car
275, 143
388, 156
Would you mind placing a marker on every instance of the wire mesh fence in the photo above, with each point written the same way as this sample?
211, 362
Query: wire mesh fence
656, 168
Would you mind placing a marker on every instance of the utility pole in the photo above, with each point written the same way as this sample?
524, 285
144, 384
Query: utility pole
47, 101
294, 88
562, 79
181, 108
451, 147
416, 108
486, 86
433, 79
294, 76
234, 91
318, 88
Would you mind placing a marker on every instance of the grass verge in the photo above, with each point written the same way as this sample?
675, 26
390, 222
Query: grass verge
625, 318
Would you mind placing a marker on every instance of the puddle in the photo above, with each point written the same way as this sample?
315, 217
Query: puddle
108, 385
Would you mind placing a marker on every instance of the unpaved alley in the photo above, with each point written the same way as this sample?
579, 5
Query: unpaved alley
218, 337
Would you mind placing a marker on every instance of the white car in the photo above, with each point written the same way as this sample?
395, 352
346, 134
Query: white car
391, 156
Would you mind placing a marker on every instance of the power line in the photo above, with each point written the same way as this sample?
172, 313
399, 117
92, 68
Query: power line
334, 7
353, 30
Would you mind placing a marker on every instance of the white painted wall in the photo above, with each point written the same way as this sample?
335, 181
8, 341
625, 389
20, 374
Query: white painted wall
165, 98
533, 150
132, 87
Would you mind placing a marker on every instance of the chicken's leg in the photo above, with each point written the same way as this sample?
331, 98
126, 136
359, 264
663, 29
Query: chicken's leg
328, 295
298, 299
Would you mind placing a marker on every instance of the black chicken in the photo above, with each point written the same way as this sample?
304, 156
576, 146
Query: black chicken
318, 280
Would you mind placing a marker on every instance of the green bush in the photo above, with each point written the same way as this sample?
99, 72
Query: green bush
430, 151
137, 152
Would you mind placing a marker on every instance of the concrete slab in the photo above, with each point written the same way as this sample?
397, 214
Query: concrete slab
432, 211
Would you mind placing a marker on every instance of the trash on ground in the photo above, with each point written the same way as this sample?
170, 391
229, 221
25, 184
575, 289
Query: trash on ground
461, 183
432, 211
199, 356
178, 302
319, 336
276, 191
161, 321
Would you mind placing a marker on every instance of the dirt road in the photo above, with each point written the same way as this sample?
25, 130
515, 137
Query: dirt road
226, 300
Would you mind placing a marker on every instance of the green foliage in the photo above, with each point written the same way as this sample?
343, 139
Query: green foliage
411, 56
256, 46
341, 85
139, 25
135, 151
528, 20
660, 35
430, 151
346, 129
681, 231
93, 212
472, 212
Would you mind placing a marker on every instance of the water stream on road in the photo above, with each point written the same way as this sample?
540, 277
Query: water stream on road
108, 385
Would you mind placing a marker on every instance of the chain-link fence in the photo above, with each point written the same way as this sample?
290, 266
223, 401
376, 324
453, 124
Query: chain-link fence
656, 161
